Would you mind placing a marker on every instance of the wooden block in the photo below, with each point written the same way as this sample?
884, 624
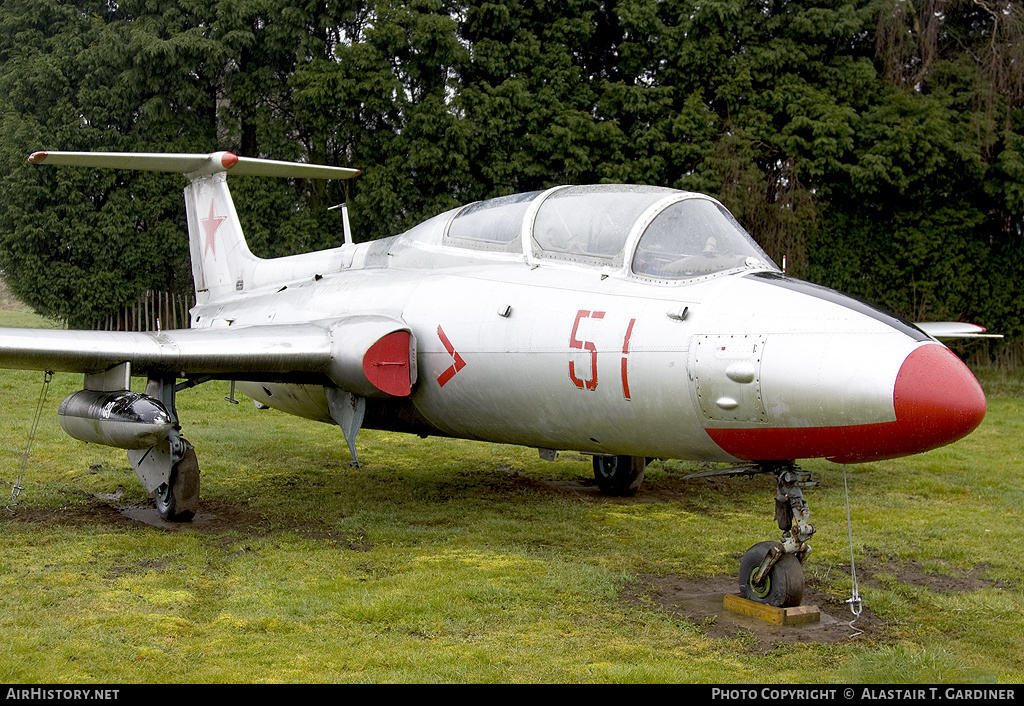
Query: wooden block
797, 615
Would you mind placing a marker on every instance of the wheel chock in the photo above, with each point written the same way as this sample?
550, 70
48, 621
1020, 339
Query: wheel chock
796, 615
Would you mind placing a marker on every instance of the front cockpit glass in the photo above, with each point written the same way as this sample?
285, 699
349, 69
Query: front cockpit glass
590, 224
693, 238
494, 224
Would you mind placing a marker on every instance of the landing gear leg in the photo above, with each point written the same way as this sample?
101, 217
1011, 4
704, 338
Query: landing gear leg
177, 500
620, 476
169, 470
772, 572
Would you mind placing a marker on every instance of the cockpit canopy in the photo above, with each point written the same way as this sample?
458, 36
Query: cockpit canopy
695, 237
651, 232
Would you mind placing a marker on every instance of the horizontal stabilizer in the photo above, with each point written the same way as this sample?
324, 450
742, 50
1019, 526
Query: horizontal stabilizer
955, 329
192, 165
221, 260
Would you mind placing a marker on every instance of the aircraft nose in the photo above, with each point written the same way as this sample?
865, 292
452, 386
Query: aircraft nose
936, 398
935, 401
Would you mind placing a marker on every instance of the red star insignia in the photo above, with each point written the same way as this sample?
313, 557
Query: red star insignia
210, 226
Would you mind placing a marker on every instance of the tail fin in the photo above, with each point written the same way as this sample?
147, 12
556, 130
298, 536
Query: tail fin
220, 255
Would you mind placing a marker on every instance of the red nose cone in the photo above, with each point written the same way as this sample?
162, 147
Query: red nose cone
937, 400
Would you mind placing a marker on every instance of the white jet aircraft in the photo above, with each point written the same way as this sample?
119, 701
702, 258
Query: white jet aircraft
624, 322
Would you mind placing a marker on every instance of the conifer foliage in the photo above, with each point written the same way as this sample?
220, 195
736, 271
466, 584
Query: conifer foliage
878, 145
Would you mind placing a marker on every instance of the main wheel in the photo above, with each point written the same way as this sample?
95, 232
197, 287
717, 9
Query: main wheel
784, 584
178, 500
620, 476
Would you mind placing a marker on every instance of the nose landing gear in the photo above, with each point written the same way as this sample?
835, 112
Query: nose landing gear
772, 572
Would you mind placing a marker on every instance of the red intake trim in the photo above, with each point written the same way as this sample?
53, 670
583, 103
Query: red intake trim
937, 401
386, 364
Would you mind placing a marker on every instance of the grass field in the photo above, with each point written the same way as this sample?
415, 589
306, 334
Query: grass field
451, 561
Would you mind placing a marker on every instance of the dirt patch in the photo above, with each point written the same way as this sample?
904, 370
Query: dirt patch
699, 601
214, 518
874, 569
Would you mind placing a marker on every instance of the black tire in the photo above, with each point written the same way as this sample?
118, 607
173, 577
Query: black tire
783, 586
620, 476
178, 500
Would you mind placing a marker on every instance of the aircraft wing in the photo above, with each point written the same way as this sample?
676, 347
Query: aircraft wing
955, 329
367, 355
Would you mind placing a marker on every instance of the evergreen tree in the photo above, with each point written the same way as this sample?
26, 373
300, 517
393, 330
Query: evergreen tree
878, 145
77, 244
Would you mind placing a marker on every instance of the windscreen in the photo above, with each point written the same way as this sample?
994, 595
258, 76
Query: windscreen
693, 238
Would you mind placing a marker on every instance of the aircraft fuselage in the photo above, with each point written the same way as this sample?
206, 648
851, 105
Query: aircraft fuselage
739, 366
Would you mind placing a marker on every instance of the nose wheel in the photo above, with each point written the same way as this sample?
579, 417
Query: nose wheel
772, 572
781, 586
